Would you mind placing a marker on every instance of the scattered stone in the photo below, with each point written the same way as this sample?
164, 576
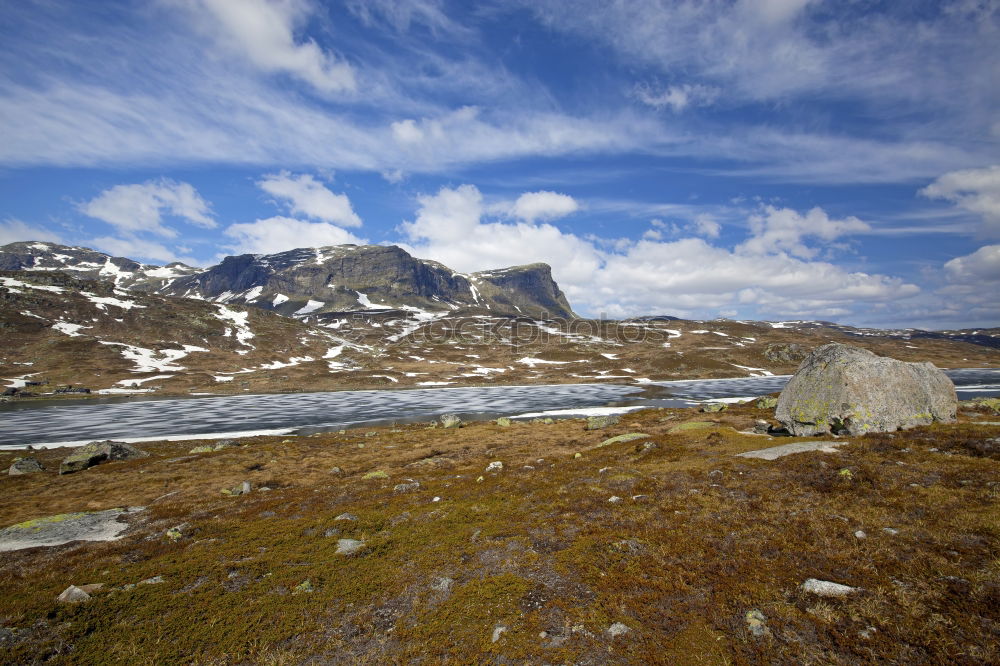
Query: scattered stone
175, 533
218, 446
336, 470
891, 531
762, 427
495, 466
376, 474
497, 632
155, 580
868, 633
333, 531
775, 452
406, 487
577, 455
442, 584
825, 588
450, 421
842, 389
617, 629
349, 546
90, 588
243, 489
97, 452
614, 499
64, 528
627, 437
345, 516
767, 402
305, 587
503, 422
757, 623
72, 595
860, 534
25, 466
598, 422
712, 407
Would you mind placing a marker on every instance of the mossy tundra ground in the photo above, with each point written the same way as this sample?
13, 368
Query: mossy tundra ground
530, 564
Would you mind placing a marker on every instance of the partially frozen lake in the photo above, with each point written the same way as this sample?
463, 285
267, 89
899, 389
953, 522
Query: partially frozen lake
241, 415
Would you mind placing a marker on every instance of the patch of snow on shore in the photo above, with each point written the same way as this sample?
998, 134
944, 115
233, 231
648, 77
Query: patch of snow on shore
149, 360
311, 306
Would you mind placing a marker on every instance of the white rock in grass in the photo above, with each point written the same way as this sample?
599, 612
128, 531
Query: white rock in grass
618, 629
825, 588
72, 595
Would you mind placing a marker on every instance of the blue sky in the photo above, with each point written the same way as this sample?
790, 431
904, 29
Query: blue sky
763, 159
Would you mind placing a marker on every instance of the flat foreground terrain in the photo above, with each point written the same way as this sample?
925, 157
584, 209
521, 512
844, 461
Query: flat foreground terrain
652, 550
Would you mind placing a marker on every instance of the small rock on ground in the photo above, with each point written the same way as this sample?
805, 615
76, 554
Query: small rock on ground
72, 595
349, 546
618, 629
25, 466
825, 588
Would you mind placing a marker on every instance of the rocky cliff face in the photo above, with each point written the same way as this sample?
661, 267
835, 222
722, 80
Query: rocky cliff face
315, 281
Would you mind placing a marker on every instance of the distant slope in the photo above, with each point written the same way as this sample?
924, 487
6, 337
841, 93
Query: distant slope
62, 330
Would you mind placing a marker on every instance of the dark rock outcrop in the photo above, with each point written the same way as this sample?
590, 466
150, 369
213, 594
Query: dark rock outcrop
97, 452
842, 389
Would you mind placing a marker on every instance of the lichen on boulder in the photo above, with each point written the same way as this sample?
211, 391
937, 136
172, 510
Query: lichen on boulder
841, 389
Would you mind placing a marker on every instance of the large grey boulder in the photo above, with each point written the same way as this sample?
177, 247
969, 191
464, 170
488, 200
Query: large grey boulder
97, 452
842, 389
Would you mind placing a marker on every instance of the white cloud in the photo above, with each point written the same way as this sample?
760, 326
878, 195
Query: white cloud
401, 14
543, 205
783, 230
705, 226
135, 248
264, 32
140, 208
678, 97
974, 190
306, 196
979, 268
449, 227
686, 277
14, 230
278, 234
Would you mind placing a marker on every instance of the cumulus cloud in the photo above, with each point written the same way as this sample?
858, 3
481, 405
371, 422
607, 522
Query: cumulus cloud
687, 276
974, 190
449, 227
278, 234
783, 230
138, 248
263, 31
543, 205
140, 208
13, 230
982, 266
305, 195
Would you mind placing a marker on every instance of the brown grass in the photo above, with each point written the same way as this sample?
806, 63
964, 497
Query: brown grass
699, 538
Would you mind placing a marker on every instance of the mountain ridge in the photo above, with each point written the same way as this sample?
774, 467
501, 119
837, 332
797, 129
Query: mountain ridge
314, 281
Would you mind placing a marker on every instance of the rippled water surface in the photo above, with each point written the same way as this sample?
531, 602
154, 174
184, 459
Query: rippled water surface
29, 423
